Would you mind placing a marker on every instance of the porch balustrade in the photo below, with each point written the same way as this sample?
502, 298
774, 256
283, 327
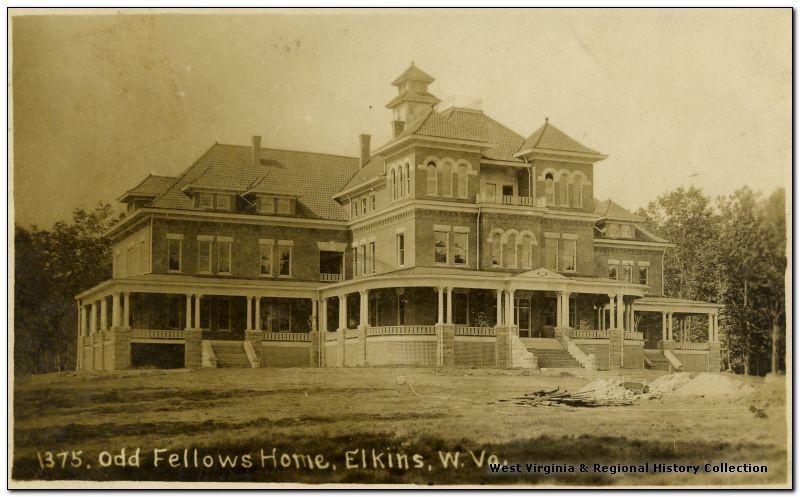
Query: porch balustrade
401, 330
287, 337
634, 335
475, 331
330, 277
592, 334
482, 198
147, 334
684, 345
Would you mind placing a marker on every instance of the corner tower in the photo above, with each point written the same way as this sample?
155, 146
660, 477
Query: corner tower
412, 97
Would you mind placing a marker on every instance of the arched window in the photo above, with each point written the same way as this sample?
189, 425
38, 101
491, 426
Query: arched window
549, 189
461, 174
525, 252
393, 186
563, 189
433, 186
408, 179
402, 183
497, 247
510, 256
577, 191
447, 179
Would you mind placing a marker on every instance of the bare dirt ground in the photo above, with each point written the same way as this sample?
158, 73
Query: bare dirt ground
381, 425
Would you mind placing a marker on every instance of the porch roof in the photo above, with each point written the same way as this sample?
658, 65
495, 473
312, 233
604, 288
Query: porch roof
671, 304
194, 285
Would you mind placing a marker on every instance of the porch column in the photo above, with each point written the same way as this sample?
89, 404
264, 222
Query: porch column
440, 314
257, 316
343, 311
710, 327
669, 326
362, 308
620, 310
510, 307
449, 305
663, 326
104, 313
633, 318
115, 309
314, 326
499, 320
197, 299
565, 314
126, 310
188, 311
611, 311
716, 326
323, 314
84, 323
249, 325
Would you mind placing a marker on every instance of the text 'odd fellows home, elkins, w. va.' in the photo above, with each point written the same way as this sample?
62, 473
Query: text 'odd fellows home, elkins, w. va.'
457, 243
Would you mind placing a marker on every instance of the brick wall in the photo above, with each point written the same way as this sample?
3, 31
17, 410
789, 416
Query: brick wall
653, 257
587, 169
446, 186
245, 249
131, 254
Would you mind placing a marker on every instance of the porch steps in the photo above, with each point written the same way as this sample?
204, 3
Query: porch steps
555, 358
654, 359
230, 354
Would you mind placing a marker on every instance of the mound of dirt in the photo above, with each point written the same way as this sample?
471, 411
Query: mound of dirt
717, 386
666, 384
608, 389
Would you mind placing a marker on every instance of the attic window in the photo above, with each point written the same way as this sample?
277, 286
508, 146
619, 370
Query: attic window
284, 206
205, 200
224, 202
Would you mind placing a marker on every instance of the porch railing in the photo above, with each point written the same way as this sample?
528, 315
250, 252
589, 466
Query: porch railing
474, 331
330, 277
401, 330
634, 335
483, 198
147, 334
588, 334
286, 337
332, 335
684, 345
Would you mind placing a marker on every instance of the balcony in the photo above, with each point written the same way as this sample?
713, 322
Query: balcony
330, 277
483, 198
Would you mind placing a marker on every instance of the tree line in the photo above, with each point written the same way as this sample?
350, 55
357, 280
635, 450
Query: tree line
731, 250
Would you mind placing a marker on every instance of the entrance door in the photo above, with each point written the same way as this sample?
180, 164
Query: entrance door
522, 315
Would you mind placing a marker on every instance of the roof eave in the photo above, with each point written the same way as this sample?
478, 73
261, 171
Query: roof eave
546, 151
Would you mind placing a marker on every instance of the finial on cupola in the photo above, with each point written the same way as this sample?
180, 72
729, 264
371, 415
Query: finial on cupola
546, 120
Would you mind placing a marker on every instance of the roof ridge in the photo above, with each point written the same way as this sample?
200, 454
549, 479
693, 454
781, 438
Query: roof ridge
290, 150
186, 171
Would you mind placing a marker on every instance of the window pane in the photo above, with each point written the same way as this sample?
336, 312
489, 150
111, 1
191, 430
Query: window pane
642, 275
626, 273
612, 272
551, 253
204, 256
174, 251
401, 249
224, 249
371, 257
285, 261
569, 255
460, 248
284, 206
206, 200
510, 256
432, 179
525, 252
496, 248
266, 259
440, 247
223, 202
266, 205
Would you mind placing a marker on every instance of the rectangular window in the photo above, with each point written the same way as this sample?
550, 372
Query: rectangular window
613, 271
204, 254
372, 202
363, 205
142, 258
224, 202
174, 253
460, 249
626, 231
224, 245
284, 260
353, 209
490, 191
400, 242
440, 247
364, 259
627, 270
613, 229
355, 262
205, 200
265, 259
129, 260
569, 252
284, 206
551, 253
372, 257
643, 275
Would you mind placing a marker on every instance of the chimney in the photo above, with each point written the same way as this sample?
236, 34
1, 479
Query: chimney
256, 150
364, 149
398, 127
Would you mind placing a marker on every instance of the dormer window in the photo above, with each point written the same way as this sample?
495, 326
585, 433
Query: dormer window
205, 200
268, 204
284, 206
224, 202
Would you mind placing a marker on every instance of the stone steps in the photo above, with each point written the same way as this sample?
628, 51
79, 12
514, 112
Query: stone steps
555, 358
656, 357
230, 355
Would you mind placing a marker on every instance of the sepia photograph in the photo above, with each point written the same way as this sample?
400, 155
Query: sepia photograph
400, 248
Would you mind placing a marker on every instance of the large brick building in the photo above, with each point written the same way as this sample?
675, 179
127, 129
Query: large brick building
457, 243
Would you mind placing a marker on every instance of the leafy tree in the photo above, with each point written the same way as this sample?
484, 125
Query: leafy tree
51, 267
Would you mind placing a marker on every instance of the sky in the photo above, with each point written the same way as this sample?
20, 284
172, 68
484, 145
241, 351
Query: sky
673, 97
